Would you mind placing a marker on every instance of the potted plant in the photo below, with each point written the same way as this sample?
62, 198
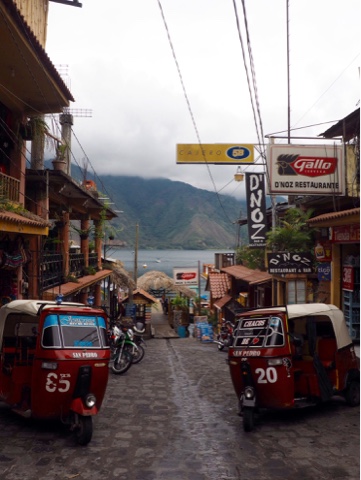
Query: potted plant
83, 232
59, 163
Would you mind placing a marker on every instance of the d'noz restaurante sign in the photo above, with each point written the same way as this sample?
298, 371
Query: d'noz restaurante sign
281, 263
306, 169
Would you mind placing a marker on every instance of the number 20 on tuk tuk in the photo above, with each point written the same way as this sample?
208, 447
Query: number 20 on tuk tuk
292, 356
54, 362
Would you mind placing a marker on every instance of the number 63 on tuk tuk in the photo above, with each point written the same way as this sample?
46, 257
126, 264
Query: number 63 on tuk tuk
54, 362
292, 356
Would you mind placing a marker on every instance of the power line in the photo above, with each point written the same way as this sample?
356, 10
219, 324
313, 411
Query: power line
189, 107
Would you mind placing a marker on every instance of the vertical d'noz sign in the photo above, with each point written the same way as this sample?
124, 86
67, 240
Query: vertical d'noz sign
256, 208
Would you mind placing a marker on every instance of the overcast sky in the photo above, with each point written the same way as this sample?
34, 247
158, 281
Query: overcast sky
120, 65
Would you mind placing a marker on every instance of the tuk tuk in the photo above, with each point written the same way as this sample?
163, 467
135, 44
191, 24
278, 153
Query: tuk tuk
54, 362
292, 356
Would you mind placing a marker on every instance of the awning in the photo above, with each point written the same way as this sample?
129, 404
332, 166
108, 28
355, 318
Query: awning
252, 277
219, 304
333, 219
70, 288
12, 222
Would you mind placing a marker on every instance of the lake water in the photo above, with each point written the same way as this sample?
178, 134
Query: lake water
164, 260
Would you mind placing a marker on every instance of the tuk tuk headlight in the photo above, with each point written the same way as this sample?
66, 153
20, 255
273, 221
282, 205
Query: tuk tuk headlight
90, 400
249, 393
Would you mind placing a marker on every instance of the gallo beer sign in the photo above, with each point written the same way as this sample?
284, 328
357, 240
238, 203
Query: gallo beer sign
306, 169
185, 276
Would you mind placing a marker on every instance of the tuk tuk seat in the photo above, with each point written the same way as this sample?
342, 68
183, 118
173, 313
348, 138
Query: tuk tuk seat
326, 349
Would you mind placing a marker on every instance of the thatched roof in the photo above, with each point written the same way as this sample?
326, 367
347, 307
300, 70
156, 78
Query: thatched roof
155, 280
121, 277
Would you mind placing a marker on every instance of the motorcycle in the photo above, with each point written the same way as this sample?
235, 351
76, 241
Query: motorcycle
122, 347
139, 330
225, 337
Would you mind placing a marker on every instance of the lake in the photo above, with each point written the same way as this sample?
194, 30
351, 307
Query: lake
163, 260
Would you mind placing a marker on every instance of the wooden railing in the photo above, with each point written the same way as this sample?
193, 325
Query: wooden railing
9, 188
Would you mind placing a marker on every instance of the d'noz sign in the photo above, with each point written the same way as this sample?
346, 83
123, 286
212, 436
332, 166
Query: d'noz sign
279, 263
256, 208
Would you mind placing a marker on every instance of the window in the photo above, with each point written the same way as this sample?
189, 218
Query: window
259, 331
296, 291
74, 331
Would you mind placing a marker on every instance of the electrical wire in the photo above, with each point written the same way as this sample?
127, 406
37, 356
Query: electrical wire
189, 107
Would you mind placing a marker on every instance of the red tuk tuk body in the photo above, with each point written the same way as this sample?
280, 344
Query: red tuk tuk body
54, 362
287, 357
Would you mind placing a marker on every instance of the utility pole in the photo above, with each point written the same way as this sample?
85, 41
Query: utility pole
136, 255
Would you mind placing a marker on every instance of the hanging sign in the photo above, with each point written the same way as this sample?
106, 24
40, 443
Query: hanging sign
287, 262
256, 209
306, 169
222, 153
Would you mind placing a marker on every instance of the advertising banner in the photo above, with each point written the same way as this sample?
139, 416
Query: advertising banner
348, 278
256, 209
185, 276
346, 234
324, 272
222, 153
306, 169
287, 262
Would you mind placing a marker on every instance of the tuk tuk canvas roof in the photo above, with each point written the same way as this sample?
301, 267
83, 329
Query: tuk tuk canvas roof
335, 315
25, 307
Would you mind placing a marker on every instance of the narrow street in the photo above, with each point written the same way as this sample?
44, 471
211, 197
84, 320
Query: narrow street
174, 416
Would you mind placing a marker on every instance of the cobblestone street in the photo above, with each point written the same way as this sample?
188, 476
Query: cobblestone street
174, 416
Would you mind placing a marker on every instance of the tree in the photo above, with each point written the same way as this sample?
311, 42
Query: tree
250, 257
293, 234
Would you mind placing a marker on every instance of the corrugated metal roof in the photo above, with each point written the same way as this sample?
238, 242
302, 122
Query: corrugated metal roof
334, 215
69, 288
252, 277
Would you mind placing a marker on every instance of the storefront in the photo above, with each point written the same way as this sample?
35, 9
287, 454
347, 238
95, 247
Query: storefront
338, 254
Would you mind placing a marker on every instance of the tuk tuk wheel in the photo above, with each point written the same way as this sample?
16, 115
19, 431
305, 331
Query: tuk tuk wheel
248, 419
84, 431
352, 393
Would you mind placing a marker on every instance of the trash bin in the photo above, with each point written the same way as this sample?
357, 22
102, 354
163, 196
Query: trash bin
182, 331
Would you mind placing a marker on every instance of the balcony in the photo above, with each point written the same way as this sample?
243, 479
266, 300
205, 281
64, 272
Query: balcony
51, 270
9, 188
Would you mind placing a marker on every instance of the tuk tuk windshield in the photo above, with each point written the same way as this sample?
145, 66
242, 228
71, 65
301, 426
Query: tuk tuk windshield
259, 331
74, 331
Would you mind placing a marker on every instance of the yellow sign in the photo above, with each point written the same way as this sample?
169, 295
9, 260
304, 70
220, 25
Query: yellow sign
223, 153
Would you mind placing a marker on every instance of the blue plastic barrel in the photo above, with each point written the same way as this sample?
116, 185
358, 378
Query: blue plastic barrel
182, 331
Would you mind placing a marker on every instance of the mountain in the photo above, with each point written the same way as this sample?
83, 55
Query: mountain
172, 214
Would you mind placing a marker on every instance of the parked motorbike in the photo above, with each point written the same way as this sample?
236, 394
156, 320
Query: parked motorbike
138, 331
225, 336
122, 346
